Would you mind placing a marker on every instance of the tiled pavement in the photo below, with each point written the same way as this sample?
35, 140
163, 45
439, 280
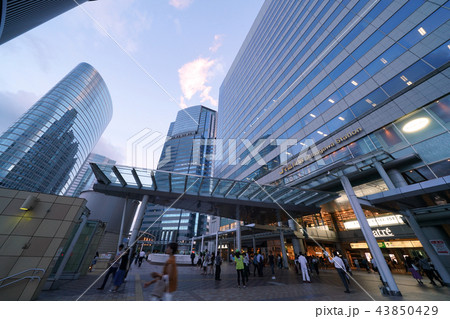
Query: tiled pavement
192, 286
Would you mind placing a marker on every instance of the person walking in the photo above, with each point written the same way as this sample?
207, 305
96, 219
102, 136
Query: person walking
315, 264
239, 261
304, 268
113, 266
260, 259
414, 269
192, 258
272, 264
120, 274
170, 273
141, 257
218, 262
246, 266
340, 268
255, 264
428, 270
211, 264
159, 288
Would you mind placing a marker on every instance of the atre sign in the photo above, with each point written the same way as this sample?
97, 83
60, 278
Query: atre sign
386, 232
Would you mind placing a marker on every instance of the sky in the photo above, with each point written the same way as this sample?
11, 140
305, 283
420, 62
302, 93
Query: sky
156, 57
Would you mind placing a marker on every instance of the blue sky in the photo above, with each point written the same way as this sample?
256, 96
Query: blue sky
187, 46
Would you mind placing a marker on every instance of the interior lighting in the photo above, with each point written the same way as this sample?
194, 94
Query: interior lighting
409, 83
384, 60
422, 31
331, 100
321, 133
341, 118
312, 115
354, 83
404, 78
416, 125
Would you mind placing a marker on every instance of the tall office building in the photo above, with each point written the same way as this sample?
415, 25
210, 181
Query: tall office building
323, 89
85, 179
44, 150
188, 149
20, 16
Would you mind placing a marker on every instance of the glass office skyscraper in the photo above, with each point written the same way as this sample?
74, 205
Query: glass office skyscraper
45, 148
19, 16
322, 88
85, 179
188, 149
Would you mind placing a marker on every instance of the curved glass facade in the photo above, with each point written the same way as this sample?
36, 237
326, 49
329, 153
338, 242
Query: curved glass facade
19, 16
313, 70
46, 147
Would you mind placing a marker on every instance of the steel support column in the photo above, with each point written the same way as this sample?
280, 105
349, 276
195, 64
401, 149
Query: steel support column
138, 221
385, 273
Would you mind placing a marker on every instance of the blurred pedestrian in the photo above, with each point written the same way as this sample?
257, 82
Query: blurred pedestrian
120, 274
218, 262
239, 261
246, 266
159, 288
340, 268
304, 268
272, 264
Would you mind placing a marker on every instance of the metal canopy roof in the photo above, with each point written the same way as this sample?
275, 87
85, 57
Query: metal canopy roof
210, 195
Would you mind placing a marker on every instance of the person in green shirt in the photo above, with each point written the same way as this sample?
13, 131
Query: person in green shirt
239, 261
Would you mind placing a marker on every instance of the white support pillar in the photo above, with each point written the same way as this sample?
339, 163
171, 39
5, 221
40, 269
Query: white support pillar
217, 242
427, 246
69, 251
119, 242
138, 222
203, 240
375, 250
238, 228
387, 180
192, 244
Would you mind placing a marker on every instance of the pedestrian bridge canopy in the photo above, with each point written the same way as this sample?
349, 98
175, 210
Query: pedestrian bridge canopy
256, 203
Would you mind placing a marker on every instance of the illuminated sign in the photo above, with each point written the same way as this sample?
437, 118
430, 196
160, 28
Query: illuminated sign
387, 232
376, 222
306, 157
390, 244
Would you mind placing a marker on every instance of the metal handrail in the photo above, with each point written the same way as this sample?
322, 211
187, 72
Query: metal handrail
22, 278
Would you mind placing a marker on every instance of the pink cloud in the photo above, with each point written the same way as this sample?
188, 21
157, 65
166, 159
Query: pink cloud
194, 76
180, 4
217, 43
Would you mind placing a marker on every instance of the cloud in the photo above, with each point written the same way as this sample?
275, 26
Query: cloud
123, 21
13, 105
105, 148
180, 4
218, 38
193, 78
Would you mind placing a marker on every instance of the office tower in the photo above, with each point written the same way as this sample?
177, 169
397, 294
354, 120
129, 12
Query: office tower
323, 89
188, 149
19, 16
85, 179
44, 149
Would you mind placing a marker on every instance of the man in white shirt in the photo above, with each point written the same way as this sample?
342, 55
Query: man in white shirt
340, 267
141, 257
304, 267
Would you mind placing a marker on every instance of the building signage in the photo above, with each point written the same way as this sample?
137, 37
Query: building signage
300, 160
386, 232
390, 244
376, 222
440, 247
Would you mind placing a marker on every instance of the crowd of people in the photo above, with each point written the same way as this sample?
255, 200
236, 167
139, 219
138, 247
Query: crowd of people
209, 264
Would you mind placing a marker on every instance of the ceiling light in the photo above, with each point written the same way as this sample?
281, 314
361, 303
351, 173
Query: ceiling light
312, 115
321, 133
331, 101
409, 83
422, 31
354, 83
383, 60
404, 78
416, 125
341, 118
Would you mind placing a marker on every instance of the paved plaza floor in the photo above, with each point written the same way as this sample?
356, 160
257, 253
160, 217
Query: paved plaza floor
287, 286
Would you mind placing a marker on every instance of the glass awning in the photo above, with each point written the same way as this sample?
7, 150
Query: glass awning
210, 195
